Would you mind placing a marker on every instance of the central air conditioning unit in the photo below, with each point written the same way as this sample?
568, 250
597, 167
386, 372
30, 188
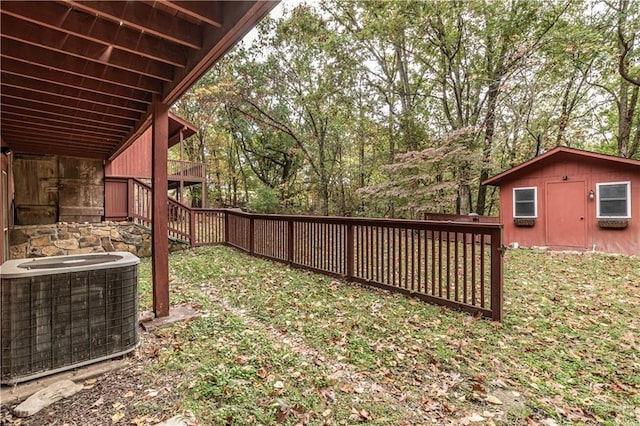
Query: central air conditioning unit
63, 312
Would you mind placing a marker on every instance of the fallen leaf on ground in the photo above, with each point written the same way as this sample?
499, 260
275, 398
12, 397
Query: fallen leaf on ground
117, 417
139, 421
493, 400
475, 417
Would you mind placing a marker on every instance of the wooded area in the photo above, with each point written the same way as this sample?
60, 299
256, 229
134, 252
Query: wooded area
395, 108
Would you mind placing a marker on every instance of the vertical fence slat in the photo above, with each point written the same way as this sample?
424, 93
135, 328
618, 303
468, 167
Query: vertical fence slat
473, 268
290, 240
413, 259
448, 264
456, 266
482, 277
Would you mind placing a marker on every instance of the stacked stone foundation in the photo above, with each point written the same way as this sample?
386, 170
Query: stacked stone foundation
81, 238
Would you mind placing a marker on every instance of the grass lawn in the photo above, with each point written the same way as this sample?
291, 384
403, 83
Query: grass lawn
279, 345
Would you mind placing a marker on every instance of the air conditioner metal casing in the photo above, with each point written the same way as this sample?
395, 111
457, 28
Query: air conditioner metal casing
63, 312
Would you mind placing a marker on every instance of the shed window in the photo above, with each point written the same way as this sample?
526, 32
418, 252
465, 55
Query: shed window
614, 200
525, 204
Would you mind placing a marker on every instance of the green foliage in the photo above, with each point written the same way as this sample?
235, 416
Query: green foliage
567, 352
323, 100
265, 200
430, 180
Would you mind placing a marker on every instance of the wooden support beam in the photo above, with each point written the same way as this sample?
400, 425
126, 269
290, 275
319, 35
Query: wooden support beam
58, 90
62, 101
55, 134
91, 27
42, 74
37, 147
160, 232
69, 64
57, 41
12, 133
151, 21
66, 114
181, 189
47, 121
239, 18
209, 12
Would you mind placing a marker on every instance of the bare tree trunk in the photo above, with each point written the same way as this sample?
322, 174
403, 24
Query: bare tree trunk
490, 125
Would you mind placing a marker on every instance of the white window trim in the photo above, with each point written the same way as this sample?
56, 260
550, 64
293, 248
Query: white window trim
628, 215
535, 202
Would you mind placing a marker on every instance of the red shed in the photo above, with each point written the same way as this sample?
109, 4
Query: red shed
572, 199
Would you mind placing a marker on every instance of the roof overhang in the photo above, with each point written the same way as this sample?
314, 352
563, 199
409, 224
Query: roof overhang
559, 154
177, 126
78, 77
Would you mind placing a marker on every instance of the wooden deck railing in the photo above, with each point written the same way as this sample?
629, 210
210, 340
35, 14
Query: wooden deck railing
185, 170
130, 199
458, 265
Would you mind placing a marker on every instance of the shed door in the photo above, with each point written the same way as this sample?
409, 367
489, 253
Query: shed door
566, 214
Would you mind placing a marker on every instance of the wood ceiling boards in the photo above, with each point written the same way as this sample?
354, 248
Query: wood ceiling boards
78, 77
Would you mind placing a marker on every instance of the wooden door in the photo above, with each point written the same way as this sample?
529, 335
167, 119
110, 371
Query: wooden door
50, 189
81, 190
566, 214
36, 189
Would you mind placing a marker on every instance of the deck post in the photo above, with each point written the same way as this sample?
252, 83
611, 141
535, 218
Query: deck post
181, 172
192, 228
160, 216
225, 219
496, 274
130, 199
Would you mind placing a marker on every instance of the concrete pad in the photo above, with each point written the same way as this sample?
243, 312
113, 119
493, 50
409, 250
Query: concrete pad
176, 314
12, 393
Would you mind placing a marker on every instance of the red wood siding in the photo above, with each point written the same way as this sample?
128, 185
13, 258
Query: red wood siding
135, 161
560, 200
116, 198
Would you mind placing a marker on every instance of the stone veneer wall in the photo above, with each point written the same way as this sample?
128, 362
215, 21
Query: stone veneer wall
79, 238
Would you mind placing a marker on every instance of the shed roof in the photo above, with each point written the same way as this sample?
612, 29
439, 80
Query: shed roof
78, 77
556, 154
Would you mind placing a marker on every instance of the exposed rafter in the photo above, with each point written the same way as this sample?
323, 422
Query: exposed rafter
149, 21
68, 44
208, 12
78, 77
